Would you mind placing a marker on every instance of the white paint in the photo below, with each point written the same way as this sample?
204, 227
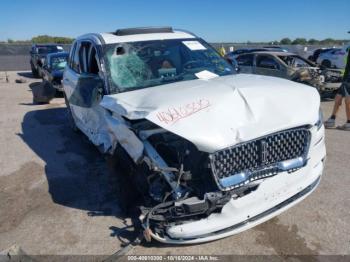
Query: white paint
271, 192
205, 75
241, 107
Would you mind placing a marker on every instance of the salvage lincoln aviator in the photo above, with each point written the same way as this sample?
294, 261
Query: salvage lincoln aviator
211, 152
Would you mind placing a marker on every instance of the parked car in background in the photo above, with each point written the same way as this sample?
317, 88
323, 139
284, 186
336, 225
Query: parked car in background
317, 52
209, 152
38, 53
275, 48
292, 67
52, 69
334, 58
232, 55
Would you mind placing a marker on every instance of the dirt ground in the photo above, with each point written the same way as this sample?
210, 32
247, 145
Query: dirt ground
58, 196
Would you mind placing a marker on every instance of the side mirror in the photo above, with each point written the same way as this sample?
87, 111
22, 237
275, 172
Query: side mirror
234, 64
88, 91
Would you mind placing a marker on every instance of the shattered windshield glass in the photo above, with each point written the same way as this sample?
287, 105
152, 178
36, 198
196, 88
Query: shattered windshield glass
295, 61
144, 64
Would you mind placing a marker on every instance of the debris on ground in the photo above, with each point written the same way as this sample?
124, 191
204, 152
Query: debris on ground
14, 253
20, 81
42, 92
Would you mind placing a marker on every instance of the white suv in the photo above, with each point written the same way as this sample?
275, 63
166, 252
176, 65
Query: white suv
334, 58
211, 152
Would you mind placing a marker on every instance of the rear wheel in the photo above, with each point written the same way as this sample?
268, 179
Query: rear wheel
326, 63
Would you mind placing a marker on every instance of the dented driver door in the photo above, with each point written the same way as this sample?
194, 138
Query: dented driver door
84, 87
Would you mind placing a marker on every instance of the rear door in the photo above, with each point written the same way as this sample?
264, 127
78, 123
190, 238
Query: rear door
72, 71
268, 65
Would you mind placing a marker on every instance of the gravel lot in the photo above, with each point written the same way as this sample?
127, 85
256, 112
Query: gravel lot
57, 194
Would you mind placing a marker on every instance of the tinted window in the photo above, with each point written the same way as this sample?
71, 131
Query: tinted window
83, 56
49, 49
268, 62
92, 61
335, 51
71, 54
245, 60
75, 59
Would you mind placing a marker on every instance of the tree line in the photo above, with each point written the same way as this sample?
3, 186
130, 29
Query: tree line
311, 41
43, 39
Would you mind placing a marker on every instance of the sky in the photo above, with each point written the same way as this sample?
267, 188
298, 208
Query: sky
215, 21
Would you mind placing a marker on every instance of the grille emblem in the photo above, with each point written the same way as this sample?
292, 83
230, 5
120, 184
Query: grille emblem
263, 151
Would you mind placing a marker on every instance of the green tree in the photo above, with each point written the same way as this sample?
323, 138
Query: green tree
285, 41
313, 41
44, 39
299, 41
329, 41
10, 41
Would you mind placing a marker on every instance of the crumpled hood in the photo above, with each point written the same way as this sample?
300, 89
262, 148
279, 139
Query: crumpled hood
223, 111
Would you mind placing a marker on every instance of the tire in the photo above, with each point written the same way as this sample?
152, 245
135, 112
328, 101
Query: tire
122, 166
71, 121
326, 63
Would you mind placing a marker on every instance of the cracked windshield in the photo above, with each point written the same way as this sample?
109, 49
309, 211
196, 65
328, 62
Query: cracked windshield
150, 63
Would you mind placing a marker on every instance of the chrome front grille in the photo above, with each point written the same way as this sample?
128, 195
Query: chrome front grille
252, 157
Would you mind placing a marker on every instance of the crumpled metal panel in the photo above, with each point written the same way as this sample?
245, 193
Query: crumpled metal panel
223, 111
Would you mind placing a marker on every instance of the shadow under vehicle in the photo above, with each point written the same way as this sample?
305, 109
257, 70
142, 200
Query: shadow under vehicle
78, 176
293, 67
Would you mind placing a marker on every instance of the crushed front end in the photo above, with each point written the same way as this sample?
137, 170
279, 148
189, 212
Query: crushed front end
326, 81
197, 196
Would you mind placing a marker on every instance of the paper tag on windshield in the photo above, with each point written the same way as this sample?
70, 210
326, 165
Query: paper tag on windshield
194, 45
205, 75
59, 47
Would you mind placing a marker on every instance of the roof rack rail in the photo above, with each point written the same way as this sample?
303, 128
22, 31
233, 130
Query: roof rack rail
143, 30
186, 31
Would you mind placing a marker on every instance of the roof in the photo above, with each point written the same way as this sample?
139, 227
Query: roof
110, 38
273, 53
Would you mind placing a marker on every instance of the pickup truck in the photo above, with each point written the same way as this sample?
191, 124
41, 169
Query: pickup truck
38, 53
52, 69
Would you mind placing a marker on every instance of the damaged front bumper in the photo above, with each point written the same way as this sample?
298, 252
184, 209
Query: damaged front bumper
330, 87
273, 196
